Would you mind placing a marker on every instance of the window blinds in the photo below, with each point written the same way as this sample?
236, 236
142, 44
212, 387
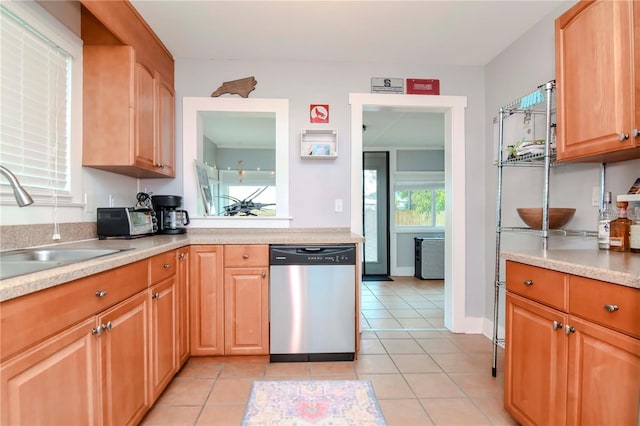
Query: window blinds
35, 106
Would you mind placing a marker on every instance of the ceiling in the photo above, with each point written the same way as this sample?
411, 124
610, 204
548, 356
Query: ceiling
451, 32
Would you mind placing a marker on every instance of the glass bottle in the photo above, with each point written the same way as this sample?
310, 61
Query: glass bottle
619, 229
605, 216
634, 234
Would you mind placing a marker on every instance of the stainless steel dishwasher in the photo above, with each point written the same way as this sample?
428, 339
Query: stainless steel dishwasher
312, 296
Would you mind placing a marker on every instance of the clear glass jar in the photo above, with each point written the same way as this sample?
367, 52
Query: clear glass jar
605, 216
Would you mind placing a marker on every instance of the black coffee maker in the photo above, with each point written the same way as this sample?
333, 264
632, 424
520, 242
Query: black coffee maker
171, 220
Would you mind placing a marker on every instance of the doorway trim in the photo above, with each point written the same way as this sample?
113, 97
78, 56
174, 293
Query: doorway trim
453, 108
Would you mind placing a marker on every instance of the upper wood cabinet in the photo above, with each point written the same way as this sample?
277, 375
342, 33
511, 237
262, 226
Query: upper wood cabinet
598, 81
128, 94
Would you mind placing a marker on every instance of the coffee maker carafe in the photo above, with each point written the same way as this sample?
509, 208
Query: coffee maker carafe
171, 219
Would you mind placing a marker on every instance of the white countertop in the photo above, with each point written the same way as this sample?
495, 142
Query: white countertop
142, 248
614, 267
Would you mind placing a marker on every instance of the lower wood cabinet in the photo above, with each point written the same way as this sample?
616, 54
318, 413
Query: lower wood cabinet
206, 326
182, 296
124, 356
163, 330
246, 306
229, 290
105, 367
604, 376
60, 375
565, 364
535, 382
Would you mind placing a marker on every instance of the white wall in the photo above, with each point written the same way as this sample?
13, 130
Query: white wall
314, 185
517, 71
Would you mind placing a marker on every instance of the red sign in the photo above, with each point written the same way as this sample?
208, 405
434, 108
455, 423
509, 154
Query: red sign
417, 86
319, 113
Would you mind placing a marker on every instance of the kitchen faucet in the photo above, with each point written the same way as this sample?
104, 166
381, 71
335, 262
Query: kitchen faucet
22, 196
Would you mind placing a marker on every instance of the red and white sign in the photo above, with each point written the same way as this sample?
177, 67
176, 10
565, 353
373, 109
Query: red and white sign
416, 86
319, 113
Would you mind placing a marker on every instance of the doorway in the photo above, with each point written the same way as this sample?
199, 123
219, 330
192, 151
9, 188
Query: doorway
375, 215
453, 108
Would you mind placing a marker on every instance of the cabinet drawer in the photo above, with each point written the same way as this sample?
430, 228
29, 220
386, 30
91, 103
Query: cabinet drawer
38, 315
608, 304
239, 256
163, 266
543, 285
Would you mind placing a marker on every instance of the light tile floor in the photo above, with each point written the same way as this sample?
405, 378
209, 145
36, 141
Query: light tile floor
421, 375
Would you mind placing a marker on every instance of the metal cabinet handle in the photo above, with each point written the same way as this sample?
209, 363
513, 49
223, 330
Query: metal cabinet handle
155, 296
528, 283
264, 275
245, 256
166, 266
181, 256
96, 331
611, 308
101, 293
635, 133
106, 326
568, 330
623, 136
557, 325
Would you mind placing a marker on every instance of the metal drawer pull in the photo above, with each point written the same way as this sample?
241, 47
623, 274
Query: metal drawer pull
101, 293
264, 275
568, 330
181, 256
106, 326
611, 308
245, 256
557, 325
527, 282
635, 133
96, 331
155, 296
623, 136
166, 266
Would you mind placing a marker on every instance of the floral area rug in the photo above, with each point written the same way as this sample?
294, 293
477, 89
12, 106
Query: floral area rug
315, 402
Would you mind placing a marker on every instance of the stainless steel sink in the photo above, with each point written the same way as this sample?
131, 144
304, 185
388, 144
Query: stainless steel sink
26, 261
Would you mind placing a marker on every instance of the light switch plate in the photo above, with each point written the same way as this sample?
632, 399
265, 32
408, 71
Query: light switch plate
338, 206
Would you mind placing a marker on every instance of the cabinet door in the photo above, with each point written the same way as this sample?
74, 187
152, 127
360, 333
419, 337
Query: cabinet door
246, 304
535, 383
166, 129
124, 355
163, 335
604, 376
206, 313
145, 118
108, 106
182, 297
595, 81
55, 382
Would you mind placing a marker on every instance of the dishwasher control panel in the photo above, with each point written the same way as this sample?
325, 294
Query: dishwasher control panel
337, 254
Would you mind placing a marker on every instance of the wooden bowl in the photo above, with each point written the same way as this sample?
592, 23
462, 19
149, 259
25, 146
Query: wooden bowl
558, 217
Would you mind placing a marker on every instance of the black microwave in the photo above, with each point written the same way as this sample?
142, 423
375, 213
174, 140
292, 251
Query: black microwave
125, 222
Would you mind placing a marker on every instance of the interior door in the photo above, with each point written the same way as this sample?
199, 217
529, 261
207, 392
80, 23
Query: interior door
375, 206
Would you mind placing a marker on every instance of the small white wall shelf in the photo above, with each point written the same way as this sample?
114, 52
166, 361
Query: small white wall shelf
319, 144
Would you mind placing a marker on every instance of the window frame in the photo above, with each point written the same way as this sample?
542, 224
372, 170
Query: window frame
407, 181
52, 29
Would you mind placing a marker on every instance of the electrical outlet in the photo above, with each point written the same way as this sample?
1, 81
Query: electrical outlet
595, 196
338, 205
